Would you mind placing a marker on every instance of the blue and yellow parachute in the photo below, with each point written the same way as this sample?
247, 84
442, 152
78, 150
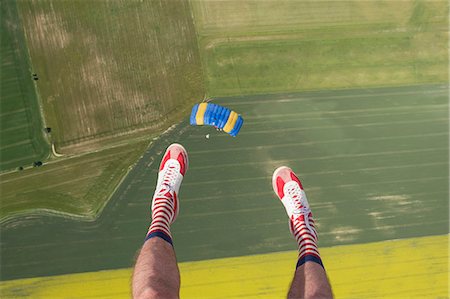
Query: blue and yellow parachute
214, 115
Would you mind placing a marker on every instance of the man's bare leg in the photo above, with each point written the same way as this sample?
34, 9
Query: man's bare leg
310, 279
156, 273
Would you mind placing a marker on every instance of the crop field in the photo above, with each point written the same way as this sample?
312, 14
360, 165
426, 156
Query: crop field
80, 186
353, 95
74, 187
21, 130
374, 163
111, 67
278, 46
393, 274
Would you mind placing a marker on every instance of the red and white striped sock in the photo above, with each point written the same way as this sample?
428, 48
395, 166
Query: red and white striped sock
163, 215
304, 231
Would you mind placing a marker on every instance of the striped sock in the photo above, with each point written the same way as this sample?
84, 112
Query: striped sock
304, 230
163, 214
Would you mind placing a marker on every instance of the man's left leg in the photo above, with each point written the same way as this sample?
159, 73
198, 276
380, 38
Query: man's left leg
156, 273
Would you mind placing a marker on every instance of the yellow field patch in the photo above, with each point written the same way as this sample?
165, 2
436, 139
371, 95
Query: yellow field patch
408, 268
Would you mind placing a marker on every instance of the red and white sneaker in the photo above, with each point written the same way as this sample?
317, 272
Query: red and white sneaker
172, 169
290, 191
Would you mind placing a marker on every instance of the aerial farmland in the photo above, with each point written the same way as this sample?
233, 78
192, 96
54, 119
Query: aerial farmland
353, 95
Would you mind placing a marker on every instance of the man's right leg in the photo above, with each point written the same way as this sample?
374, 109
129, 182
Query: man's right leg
156, 272
310, 279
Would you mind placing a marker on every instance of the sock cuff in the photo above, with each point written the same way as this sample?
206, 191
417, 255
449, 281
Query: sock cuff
161, 235
309, 258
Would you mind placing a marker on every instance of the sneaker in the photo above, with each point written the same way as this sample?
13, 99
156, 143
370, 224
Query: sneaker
290, 191
172, 169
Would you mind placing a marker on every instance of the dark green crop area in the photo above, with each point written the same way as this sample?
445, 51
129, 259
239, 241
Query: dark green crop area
21, 130
374, 163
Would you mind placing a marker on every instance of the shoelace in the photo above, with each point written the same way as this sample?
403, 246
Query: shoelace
170, 175
295, 198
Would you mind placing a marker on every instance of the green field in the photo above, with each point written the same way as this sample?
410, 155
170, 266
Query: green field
374, 163
353, 95
74, 187
278, 46
111, 67
141, 63
365, 41
21, 130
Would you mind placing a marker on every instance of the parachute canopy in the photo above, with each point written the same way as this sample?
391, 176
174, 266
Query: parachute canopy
217, 116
